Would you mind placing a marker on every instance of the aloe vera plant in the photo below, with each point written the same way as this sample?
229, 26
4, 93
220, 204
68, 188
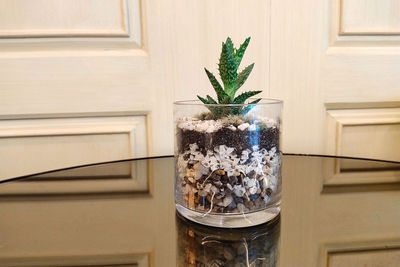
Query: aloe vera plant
229, 62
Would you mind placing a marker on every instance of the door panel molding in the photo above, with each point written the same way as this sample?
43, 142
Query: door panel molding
59, 24
341, 173
346, 30
117, 260
357, 249
128, 35
82, 140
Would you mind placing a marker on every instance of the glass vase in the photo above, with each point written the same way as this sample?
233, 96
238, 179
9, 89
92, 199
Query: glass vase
228, 162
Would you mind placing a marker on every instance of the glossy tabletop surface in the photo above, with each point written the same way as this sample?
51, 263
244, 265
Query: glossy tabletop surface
123, 214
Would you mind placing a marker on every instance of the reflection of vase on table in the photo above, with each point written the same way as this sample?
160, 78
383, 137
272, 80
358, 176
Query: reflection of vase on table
206, 246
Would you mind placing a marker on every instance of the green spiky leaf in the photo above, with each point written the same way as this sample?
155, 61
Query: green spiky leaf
230, 47
208, 102
211, 100
242, 77
205, 101
227, 67
244, 96
240, 52
250, 107
217, 86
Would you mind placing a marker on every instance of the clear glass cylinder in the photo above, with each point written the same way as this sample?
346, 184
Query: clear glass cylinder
228, 162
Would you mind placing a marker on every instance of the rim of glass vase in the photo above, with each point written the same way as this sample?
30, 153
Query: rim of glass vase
264, 101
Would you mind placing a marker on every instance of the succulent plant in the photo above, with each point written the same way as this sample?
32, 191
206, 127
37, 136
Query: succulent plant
229, 62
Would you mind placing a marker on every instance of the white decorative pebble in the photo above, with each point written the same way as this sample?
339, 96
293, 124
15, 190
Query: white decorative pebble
200, 171
210, 129
193, 147
227, 200
265, 182
214, 189
231, 172
207, 188
243, 126
239, 190
186, 189
252, 127
241, 207
202, 193
253, 190
249, 182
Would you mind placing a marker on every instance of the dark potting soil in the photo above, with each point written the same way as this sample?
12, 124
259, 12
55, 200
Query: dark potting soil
240, 140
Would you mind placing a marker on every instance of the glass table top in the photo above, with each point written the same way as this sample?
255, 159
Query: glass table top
122, 213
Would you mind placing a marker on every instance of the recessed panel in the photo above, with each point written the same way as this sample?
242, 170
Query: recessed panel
374, 258
117, 260
62, 18
372, 133
42, 153
379, 141
37, 145
370, 17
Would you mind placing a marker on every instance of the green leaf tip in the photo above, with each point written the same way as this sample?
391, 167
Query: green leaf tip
205, 101
244, 96
211, 100
227, 66
239, 53
242, 76
250, 107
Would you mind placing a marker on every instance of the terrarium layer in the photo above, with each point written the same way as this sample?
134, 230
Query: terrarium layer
210, 133
227, 168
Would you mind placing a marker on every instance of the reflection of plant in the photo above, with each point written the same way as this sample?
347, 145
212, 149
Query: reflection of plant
229, 62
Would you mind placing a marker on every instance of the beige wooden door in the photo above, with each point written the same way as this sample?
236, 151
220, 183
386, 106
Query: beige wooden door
329, 224
336, 64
